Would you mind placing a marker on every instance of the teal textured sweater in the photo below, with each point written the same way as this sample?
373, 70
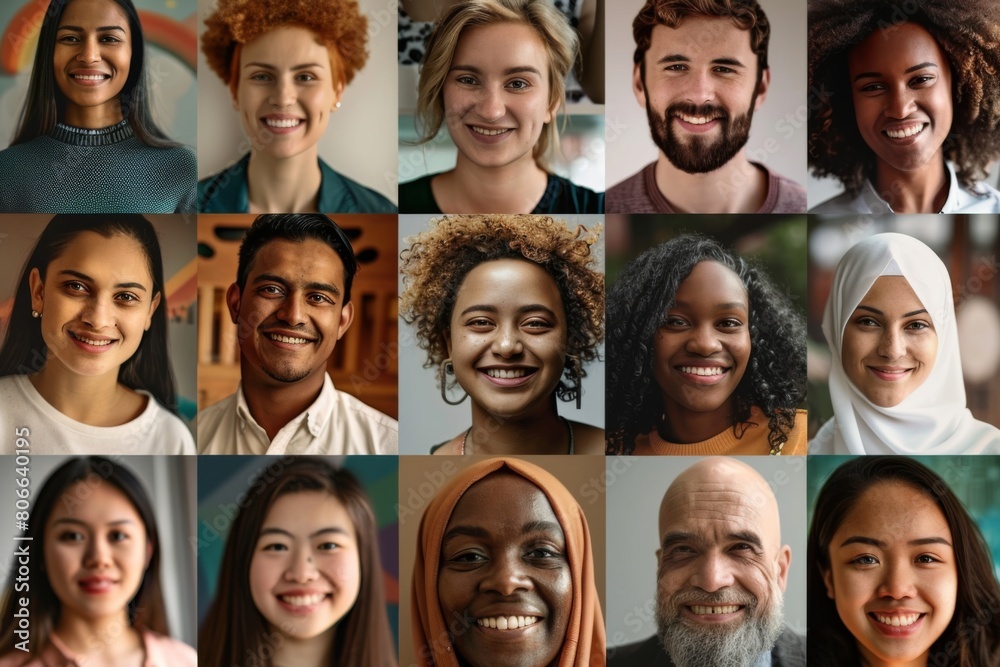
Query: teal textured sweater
73, 170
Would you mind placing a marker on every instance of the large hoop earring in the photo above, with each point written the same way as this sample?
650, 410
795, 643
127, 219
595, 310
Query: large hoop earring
448, 368
574, 370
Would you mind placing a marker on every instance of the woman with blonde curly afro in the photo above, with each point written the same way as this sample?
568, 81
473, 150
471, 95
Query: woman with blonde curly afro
286, 63
905, 108
509, 309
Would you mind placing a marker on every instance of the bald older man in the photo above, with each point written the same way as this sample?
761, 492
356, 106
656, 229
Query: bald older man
721, 575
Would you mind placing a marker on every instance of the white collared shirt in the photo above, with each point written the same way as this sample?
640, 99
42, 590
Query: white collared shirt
336, 423
960, 200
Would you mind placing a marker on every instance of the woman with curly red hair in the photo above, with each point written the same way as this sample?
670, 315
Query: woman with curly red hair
286, 63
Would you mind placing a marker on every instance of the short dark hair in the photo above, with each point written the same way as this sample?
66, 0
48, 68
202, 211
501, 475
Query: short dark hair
973, 636
296, 227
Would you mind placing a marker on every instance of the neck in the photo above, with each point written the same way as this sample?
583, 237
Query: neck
920, 191
471, 188
279, 185
272, 403
292, 652
686, 427
105, 636
91, 400
93, 118
736, 187
540, 433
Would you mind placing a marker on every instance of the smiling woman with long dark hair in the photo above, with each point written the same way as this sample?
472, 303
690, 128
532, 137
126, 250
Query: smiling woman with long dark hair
87, 141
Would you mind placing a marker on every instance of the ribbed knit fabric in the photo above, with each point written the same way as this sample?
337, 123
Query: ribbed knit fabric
73, 170
753, 440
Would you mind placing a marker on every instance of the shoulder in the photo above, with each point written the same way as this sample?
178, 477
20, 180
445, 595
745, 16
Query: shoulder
216, 193
981, 198
163, 651
417, 197
784, 195
797, 443
382, 429
648, 652
340, 194
170, 435
448, 447
588, 439
822, 442
789, 650
632, 194
841, 204
564, 196
212, 421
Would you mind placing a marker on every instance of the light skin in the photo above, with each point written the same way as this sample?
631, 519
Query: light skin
701, 353
289, 317
889, 343
94, 314
893, 575
720, 537
704, 63
507, 343
901, 89
305, 574
287, 92
96, 552
495, 565
497, 100
91, 62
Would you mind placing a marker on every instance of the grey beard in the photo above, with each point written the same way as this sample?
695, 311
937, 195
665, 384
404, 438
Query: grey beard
724, 646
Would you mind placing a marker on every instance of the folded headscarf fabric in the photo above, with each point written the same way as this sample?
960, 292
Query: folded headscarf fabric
584, 643
933, 419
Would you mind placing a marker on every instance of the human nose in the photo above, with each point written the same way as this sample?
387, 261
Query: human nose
891, 344
98, 553
292, 311
897, 582
506, 575
283, 92
490, 105
302, 568
703, 341
713, 573
90, 51
700, 88
98, 313
507, 342
900, 103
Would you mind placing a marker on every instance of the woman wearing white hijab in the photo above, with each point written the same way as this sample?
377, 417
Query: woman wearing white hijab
896, 376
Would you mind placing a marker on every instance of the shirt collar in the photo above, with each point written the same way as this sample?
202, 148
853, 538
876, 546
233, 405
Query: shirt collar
66, 657
956, 200
316, 415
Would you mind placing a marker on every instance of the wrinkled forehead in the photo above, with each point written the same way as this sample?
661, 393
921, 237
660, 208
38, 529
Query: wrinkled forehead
713, 509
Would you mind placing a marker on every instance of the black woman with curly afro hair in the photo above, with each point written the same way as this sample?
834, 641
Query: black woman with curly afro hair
705, 356
906, 104
510, 308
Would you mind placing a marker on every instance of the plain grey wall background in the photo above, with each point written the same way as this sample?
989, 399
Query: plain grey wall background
779, 127
360, 141
171, 483
634, 492
424, 419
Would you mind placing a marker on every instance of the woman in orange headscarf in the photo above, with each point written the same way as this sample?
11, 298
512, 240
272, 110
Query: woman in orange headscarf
511, 587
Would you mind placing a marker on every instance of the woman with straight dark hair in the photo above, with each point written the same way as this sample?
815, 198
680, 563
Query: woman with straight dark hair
84, 364
94, 572
86, 141
898, 571
303, 578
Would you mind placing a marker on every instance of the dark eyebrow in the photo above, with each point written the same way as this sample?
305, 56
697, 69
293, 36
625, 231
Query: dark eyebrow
879, 312
316, 533
73, 521
542, 527
294, 68
871, 541
103, 28
522, 69
84, 276
746, 536
271, 278
676, 536
521, 310
467, 531
875, 75
678, 58
731, 305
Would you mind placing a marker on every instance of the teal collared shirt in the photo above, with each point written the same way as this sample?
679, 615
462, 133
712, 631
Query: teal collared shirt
229, 192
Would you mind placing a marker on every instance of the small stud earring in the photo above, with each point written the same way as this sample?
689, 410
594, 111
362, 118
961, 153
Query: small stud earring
337, 105
35, 314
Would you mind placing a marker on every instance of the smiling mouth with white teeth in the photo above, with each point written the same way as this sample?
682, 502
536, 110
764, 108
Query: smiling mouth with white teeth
508, 373
91, 77
507, 622
88, 341
705, 610
703, 370
488, 132
303, 600
287, 339
697, 120
283, 124
897, 621
905, 132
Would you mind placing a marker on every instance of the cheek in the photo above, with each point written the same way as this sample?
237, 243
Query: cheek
262, 579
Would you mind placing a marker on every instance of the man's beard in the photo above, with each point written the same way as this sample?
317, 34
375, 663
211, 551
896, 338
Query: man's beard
721, 645
698, 154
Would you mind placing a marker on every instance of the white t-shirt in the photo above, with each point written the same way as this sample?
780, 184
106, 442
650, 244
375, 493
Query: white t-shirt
336, 423
155, 431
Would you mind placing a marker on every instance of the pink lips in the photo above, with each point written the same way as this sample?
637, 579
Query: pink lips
703, 380
890, 373
96, 585
901, 631
92, 349
697, 129
508, 382
282, 117
105, 77
489, 138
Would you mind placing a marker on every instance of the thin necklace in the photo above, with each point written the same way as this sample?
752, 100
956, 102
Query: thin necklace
569, 429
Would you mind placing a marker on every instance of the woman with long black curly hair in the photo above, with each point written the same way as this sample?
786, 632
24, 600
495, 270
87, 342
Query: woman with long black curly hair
905, 104
705, 356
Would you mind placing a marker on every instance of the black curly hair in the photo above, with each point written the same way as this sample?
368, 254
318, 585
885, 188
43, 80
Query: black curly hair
775, 380
969, 34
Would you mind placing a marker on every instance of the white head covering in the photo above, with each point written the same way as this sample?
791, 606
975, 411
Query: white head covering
931, 420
